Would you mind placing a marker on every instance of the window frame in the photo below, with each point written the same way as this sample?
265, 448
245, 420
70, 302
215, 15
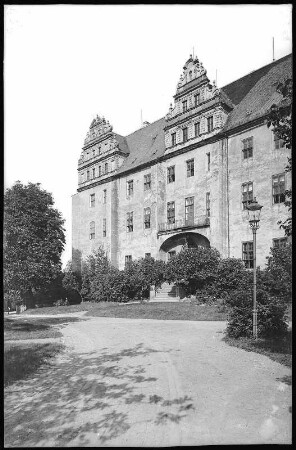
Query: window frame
197, 99
197, 128
171, 212
171, 254
92, 230
87, 175
104, 196
147, 182
106, 167
247, 250
92, 200
184, 106
128, 259
247, 195
185, 134
210, 124
104, 227
208, 161
130, 222
190, 167
174, 139
279, 242
277, 142
189, 208
130, 188
171, 174
247, 148
147, 218
280, 196
208, 204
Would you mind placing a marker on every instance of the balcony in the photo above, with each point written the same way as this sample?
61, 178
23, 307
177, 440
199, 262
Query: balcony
182, 224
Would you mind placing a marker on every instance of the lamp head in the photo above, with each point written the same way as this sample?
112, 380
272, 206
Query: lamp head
254, 210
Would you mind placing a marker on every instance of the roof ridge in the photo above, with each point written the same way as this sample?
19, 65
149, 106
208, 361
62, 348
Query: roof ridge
260, 68
157, 120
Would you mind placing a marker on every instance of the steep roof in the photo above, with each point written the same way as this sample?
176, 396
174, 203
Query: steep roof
251, 96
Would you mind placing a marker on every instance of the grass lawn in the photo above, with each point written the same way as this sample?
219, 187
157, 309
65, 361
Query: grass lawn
161, 311
279, 350
22, 360
31, 328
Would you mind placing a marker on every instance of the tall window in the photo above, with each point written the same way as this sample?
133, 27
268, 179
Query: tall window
248, 258
106, 167
278, 143
147, 182
174, 139
210, 123
248, 147
100, 150
208, 204
189, 210
128, 260
92, 200
88, 175
185, 134
104, 195
171, 212
171, 174
278, 188
130, 187
129, 222
94, 152
190, 168
184, 105
104, 228
147, 218
280, 242
196, 99
94, 172
209, 161
197, 129
100, 171
247, 193
92, 230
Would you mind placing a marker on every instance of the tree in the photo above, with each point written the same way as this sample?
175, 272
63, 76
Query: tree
34, 240
72, 282
193, 269
280, 118
278, 273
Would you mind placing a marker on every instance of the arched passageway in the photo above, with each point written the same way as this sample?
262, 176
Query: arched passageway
177, 242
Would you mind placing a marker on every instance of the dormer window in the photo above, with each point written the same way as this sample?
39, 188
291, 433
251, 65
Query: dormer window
184, 106
174, 139
210, 124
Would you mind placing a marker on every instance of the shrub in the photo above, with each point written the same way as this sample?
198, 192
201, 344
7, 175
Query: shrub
230, 275
278, 273
271, 314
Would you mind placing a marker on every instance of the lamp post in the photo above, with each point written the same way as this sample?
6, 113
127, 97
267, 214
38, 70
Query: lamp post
254, 210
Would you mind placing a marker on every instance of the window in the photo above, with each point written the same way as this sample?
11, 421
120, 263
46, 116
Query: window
100, 171
184, 106
100, 150
174, 139
208, 204
197, 129
189, 210
147, 182
171, 254
94, 152
94, 172
171, 212
248, 254
104, 228
87, 175
171, 174
106, 167
279, 242
104, 195
247, 193
278, 188
185, 134
196, 99
92, 230
248, 147
128, 259
92, 200
209, 161
129, 222
190, 168
278, 143
210, 124
147, 255
147, 218
130, 187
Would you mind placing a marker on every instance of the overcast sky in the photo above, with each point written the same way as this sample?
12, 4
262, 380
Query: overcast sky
65, 63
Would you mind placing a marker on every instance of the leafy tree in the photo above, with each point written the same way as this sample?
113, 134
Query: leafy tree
33, 240
72, 282
193, 269
280, 118
278, 273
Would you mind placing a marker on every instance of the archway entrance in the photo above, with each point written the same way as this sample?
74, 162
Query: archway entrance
177, 242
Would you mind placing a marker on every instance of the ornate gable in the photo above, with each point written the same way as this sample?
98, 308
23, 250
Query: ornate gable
199, 106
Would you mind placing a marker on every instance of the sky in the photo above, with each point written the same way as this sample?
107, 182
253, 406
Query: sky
63, 64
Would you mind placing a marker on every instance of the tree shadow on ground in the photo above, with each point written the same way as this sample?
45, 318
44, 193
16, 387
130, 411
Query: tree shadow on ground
78, 396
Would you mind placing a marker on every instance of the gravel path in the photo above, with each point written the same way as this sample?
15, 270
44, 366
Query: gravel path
126, 382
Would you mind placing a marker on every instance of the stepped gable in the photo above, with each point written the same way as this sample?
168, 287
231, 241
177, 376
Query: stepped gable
144, 145
254, 93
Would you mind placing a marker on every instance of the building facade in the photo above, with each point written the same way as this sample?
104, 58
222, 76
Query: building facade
186, 179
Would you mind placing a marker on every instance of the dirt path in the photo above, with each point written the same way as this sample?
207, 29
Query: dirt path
139, 383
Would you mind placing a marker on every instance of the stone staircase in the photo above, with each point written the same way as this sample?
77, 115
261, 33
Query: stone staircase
166, 293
